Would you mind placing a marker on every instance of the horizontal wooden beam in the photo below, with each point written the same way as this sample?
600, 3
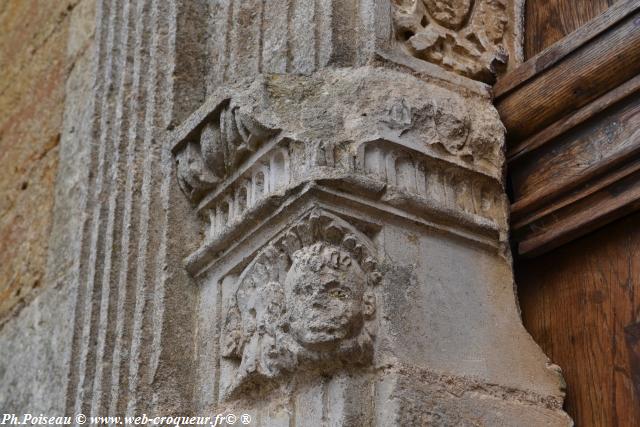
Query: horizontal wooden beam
559, 87
559, 51
519, 149
584, 216
572, 115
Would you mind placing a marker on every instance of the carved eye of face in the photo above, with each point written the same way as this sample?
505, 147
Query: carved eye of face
334, 290
338, 294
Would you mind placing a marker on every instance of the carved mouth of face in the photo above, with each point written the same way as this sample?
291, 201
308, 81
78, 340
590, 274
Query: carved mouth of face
325, 322
322, 327
322, 335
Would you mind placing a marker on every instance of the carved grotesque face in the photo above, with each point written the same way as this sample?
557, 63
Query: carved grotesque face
449, 13
326, 296
495, 19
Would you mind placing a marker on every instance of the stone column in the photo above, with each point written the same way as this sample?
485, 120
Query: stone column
347, 170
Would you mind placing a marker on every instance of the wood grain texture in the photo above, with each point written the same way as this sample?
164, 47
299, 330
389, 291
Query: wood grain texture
527, 219
582, 217
584, 178
548, 21
548, 134
632, 338
574, 161
589, 72
573, 121
558, 51
581, 303
590, 150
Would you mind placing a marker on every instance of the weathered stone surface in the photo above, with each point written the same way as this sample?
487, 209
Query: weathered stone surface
35, 342
440, 153
423, 398
468, 37
286, 210
407, 170
34, 67
304, 302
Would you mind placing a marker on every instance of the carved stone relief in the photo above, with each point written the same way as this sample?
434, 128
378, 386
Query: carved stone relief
281, 151
217, 149
237, 158
414, 173
194, 177
446, 122
356, 251
268, 175
464, 36
304, 302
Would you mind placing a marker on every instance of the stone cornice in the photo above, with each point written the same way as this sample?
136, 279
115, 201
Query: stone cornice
471, 228
245, 151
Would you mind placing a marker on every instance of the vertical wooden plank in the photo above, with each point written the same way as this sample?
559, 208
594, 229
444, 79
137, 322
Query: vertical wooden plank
632, 340
547, 21
623, 280
580, 304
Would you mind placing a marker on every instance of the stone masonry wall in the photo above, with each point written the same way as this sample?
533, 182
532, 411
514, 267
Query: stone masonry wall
46, 59
34, 66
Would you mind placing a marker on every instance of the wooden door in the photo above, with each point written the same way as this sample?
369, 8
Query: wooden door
573, 119
581, 303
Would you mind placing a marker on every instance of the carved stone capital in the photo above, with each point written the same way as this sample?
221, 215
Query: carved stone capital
220, 144
348, 263
246, 151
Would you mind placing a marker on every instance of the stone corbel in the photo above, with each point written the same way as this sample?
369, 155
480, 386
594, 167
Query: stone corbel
216, 147
303, 304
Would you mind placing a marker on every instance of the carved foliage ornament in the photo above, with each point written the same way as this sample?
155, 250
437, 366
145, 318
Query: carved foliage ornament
447, 123
219, 147
465, 36
305, 300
